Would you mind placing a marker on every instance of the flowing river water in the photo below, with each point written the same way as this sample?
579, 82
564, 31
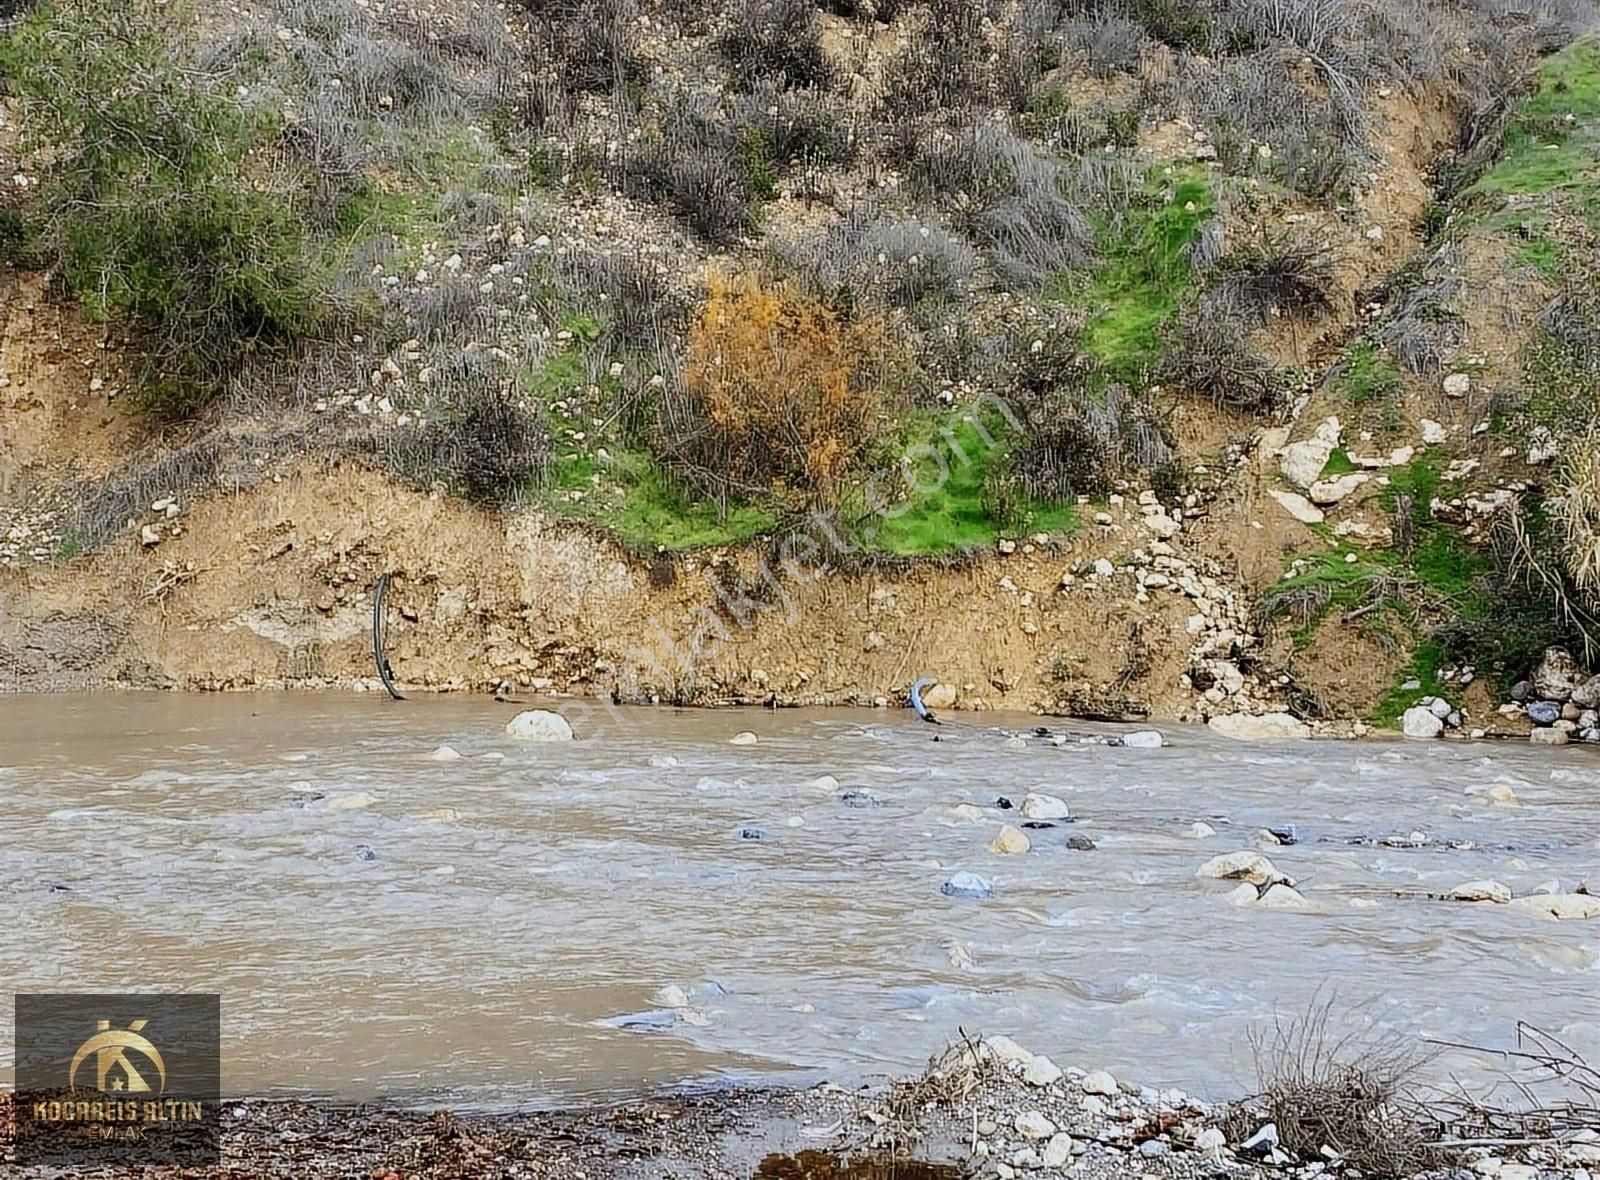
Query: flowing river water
383, 925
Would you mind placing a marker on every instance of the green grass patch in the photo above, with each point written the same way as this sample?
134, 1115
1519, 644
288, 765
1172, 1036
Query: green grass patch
1339, 463
955, 513
1427, 661
1144, 273
1553, 141
633, 498
601, 480
1368, 375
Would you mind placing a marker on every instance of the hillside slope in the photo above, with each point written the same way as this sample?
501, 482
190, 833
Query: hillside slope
1157, 361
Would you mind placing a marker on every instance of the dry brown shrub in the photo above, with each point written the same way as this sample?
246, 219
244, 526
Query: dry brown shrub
778, 394
1348, 1092
1577, 508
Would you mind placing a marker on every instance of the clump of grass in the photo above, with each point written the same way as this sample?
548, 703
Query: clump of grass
1009, 198
696, 161
769, 40
1365, 374
1276, 275
877, 259
480, 439
1147, 268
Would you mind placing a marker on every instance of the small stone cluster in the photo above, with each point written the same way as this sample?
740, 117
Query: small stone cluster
1562, 703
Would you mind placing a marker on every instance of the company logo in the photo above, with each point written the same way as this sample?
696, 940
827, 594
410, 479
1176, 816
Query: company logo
118, 1079
109, 1048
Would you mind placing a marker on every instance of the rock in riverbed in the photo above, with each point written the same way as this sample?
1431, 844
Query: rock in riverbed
1037, 806
1265, 728
968, 885
1242, 866
1564, 907
1010, 842
539, 725
1494, 891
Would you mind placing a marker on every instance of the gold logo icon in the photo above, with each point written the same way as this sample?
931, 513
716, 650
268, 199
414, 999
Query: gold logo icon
109, 1047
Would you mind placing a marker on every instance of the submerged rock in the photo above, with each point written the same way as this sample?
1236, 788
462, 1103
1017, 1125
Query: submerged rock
1143, 739
860, 799
1010, 842
968, 885
445, 754
539, 725
743, 738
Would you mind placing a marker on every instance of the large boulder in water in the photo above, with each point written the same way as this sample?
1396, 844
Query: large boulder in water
1557, 675
939, 696
539, 725
1241, 866
1268, 727
1560, 906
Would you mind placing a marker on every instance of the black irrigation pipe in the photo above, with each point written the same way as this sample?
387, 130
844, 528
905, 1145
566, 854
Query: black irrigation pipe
380, 595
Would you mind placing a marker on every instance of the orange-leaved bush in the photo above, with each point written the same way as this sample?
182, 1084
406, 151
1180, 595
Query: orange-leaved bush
779, 393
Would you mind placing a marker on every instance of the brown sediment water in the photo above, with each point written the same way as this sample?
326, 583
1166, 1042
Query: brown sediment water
549, 923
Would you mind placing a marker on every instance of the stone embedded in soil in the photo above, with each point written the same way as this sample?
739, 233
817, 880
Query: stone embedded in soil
1494, 891
1327, 492
1031, 1124
1298, 506
1302, 462
1100, 1082
539, 725
1420, 722
1041, 1071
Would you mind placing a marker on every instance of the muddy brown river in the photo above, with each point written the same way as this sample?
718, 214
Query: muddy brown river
543, 923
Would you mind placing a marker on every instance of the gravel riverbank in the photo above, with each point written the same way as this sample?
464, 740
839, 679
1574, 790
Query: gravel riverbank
983, 1109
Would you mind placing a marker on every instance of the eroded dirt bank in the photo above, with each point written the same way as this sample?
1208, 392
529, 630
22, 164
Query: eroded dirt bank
272, 587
